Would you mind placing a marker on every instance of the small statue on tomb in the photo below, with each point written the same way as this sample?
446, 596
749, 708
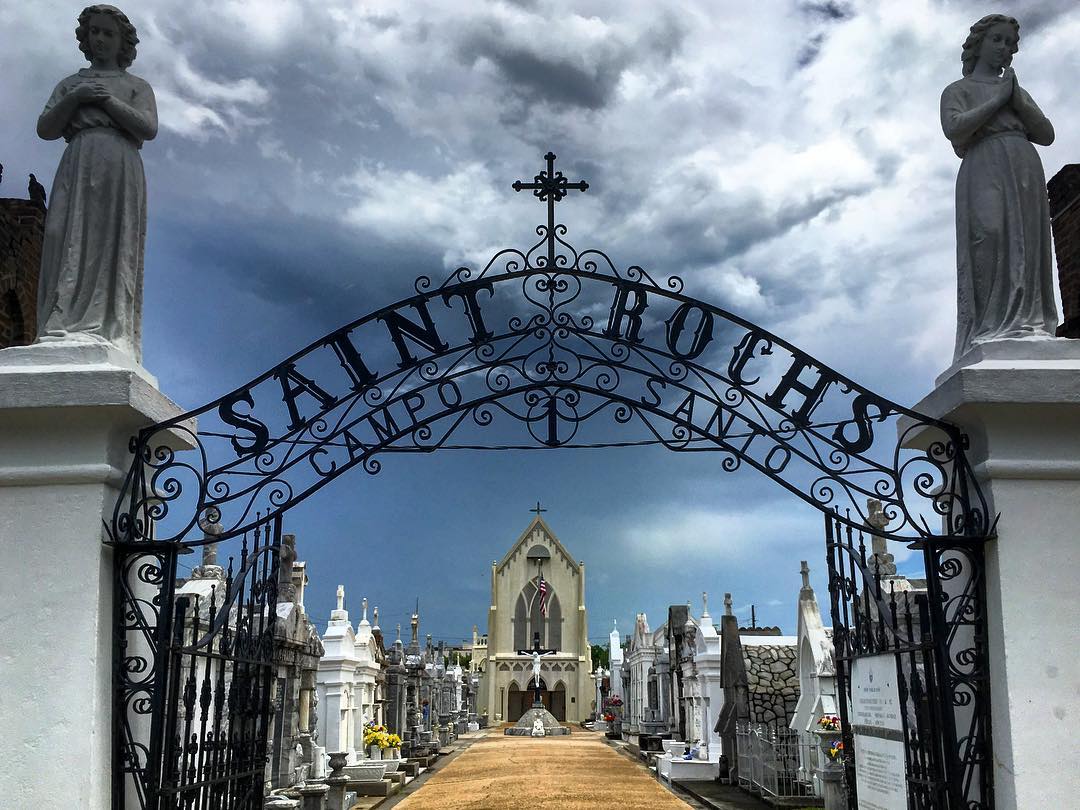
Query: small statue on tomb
92, 258
1004, 269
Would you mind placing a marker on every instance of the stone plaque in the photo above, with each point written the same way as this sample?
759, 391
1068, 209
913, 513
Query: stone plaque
875, 700
880, 775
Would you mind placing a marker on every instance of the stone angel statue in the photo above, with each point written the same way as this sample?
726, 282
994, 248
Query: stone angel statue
1005, 285
92, 259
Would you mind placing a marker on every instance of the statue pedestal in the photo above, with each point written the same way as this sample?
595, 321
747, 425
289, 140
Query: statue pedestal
524, 726
66, 416
1019, 403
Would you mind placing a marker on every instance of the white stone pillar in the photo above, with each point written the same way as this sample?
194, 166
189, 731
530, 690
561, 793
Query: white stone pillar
1019, 402
66, 416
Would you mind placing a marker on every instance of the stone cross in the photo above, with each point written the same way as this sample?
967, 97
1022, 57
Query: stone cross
727, 605
340, 597
876, 521
363, 609
804, 569
375, 615
704, 604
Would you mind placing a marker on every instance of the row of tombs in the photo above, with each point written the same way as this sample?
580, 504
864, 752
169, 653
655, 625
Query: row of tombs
744, 705
347, 702
700, 701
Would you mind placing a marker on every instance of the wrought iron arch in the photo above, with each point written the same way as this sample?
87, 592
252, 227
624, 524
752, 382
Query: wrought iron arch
546, 347
431, 372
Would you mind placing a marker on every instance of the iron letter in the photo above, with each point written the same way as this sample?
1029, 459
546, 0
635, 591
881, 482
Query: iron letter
480, 333
260, 433
423, 333
812, 394
743, 354
350, 359
861, 419
703, 332
619, 311
286, 375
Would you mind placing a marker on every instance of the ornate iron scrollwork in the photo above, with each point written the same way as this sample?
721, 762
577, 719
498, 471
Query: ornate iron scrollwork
586, 355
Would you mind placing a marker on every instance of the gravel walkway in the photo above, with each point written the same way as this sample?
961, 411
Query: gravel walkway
570, 773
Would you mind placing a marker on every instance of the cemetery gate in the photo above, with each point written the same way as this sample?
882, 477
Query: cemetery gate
548, 347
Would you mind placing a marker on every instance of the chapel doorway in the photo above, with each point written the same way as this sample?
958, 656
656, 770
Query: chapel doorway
519, 701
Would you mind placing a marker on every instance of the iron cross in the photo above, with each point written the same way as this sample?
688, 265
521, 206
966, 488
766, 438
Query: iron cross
550, 186
538, 510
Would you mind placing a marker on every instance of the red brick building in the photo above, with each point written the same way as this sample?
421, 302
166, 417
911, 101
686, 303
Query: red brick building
1064, 190
22, 231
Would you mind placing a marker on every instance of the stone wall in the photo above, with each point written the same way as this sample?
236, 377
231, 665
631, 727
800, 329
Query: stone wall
22, 231
1064, 190
772, 674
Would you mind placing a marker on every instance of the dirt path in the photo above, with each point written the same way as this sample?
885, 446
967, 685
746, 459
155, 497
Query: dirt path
570, 773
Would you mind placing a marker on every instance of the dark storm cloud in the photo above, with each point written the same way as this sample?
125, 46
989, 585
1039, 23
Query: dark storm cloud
828, 10
545, 76
809, 52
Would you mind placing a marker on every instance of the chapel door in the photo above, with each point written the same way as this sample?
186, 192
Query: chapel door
515, 703
558, 702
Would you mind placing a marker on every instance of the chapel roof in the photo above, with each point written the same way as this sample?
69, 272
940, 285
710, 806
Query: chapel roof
538, 522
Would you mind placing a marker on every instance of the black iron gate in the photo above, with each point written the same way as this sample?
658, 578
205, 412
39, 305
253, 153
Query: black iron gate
936, 637
199, 680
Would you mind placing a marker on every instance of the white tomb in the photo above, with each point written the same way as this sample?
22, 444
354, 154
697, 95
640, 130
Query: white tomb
817, 681
347, 682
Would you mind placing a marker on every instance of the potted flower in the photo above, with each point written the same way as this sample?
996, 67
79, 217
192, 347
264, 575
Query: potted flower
394, 745
835, 751
828, 733
376, 739
829, 723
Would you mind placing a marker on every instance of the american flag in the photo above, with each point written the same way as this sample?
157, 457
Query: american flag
543, 589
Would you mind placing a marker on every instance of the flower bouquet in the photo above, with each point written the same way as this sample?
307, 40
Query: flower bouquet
829, 722
376, 738
835, 751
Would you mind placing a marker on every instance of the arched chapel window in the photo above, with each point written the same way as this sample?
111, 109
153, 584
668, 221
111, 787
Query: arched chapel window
521, 624
554, 623
528, 619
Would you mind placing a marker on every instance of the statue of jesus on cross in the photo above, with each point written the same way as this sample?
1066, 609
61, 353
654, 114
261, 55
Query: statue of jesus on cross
535, 652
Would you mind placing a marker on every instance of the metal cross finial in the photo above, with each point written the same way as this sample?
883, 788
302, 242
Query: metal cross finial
550, 186
538, 509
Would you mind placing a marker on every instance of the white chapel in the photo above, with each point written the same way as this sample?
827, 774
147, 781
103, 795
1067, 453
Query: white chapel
515, 616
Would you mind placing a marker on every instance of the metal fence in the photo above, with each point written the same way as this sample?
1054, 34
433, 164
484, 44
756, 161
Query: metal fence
768, 761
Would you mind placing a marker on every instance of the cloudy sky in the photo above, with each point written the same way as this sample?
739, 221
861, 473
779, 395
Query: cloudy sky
315, 156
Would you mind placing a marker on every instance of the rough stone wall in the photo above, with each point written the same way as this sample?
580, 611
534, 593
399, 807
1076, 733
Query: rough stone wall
1064, 190
772, 674
22, 231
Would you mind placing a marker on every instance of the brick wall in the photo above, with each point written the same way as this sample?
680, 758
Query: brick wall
22, 231
1064, 190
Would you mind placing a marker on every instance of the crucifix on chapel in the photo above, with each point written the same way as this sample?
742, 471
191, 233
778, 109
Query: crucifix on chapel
535, 652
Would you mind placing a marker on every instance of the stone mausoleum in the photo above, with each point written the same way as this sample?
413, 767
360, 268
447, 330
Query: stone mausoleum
514, 616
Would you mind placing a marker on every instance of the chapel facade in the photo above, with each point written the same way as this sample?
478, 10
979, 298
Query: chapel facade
514, 617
